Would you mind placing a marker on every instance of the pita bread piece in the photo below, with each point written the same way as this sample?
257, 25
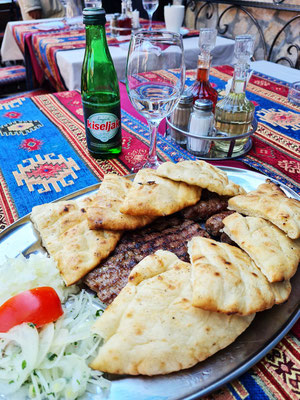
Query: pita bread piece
225, 279
200, 173
268, 201
156, 196
275, 254
105, 213
64, 231
152, 328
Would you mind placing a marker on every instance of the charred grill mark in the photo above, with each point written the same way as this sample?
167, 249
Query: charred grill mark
171, 233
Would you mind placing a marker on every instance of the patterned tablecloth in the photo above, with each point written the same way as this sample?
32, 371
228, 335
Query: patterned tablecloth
44, 157
40, 47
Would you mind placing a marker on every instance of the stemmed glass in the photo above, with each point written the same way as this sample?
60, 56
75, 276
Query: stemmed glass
150, 6
154, 91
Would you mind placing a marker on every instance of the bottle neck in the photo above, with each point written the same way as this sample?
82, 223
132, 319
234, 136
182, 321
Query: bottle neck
94, 35
239, 81
203, 67
123, 7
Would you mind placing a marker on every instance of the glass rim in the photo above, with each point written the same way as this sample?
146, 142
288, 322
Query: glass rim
146, 34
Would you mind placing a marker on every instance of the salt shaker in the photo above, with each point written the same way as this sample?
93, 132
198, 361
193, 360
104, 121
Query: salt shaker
200, 124
180, 118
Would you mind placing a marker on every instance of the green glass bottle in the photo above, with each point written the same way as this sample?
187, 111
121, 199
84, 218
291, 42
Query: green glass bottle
100, 90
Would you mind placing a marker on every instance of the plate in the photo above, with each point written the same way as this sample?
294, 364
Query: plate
267, 329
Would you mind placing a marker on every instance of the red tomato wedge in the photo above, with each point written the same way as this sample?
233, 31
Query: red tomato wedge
38, 306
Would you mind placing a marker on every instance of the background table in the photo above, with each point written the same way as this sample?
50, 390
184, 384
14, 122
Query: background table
44, 157
59, 55
70, 61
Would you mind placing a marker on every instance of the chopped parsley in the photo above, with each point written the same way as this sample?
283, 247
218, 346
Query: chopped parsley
52, 356
99, 312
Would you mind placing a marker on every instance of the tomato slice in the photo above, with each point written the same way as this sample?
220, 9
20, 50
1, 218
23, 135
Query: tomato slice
39, 306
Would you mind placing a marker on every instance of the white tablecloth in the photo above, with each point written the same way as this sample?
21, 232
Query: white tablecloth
278, 71
9, 48
70, 61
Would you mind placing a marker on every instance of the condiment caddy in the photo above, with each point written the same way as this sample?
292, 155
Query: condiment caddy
213, 153
227, 132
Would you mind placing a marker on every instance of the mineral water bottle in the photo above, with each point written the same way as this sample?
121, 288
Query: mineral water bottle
100, 90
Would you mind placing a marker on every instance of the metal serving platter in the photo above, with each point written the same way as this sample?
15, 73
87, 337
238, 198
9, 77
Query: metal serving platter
263, 334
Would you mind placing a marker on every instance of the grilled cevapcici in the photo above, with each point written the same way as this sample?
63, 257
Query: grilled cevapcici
168, 233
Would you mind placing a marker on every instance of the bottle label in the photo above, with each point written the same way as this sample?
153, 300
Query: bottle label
103, 126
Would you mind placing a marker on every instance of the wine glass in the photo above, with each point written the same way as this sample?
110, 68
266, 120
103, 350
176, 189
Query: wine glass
150, 6
154, 91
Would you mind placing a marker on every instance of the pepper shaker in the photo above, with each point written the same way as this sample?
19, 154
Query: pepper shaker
200, 124
180, 118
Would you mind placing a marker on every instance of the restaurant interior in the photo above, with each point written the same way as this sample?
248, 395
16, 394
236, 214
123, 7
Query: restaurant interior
197, 103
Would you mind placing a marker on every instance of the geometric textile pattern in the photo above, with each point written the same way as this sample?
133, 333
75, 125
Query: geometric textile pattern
19, 128
15, 73
8, 104
2, 219
284, 119
31, 144
283, 362
46, 171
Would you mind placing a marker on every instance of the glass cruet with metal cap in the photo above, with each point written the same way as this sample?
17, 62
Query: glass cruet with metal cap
234, 113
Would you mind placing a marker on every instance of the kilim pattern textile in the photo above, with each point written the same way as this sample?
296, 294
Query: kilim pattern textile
20, 95
15, 73
42, 46
44, 157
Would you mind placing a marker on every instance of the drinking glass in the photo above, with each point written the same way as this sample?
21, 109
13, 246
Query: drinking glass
150, 6
153, 91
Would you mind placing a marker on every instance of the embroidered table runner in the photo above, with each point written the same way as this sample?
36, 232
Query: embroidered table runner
44, 156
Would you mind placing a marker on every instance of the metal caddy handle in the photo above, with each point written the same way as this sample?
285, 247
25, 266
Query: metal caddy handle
214, 154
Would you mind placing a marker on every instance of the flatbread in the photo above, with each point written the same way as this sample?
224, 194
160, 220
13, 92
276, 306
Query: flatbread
156, 196
276, 255
225, 279
152, 328
64, 231
105, 211
202, 174
268, 201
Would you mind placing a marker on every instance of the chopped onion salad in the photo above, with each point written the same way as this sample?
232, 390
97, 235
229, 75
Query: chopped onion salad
19, 274
51, 362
